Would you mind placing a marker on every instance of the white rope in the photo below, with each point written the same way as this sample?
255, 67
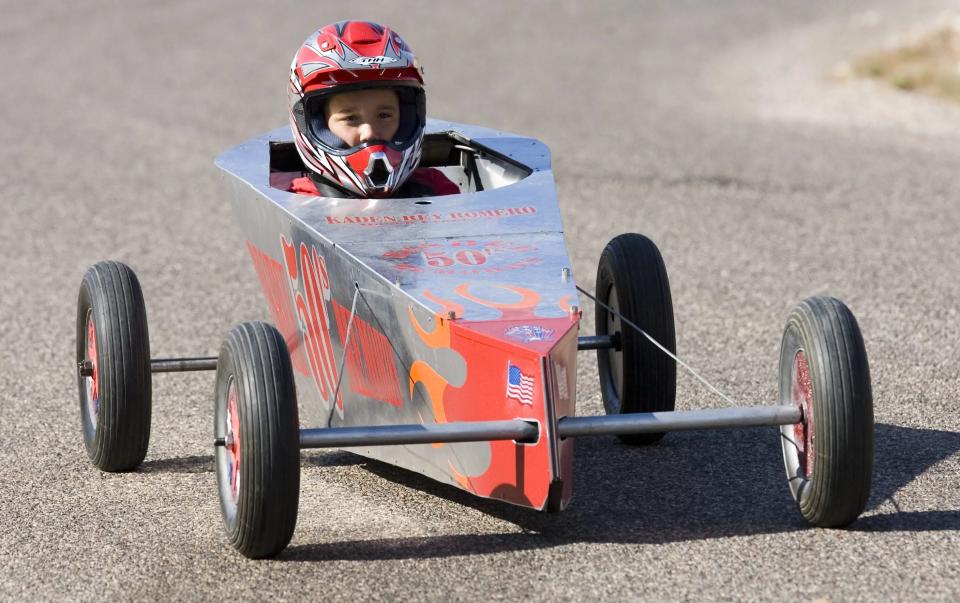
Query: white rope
657, 343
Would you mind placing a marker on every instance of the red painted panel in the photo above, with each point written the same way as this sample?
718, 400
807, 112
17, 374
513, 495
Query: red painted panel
370, 362
538, 334
517, 473
275, 288
310, 287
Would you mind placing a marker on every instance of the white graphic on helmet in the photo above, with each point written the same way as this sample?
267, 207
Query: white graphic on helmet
373, 60
309, 68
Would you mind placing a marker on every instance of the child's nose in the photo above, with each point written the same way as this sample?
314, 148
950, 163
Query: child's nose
366, 132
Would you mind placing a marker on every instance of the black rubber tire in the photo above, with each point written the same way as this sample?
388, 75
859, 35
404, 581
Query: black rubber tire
261, 516
115, 421
822, 340
636, 376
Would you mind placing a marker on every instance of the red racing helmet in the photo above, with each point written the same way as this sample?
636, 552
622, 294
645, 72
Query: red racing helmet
345, 57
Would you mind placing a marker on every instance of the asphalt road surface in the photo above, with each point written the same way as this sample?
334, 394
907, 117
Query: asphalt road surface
724, 131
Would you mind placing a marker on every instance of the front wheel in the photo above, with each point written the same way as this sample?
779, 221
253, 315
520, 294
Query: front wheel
635, 376
113, 367
257, 435
828, 455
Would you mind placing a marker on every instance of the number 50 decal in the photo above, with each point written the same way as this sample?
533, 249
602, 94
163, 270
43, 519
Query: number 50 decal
466, 257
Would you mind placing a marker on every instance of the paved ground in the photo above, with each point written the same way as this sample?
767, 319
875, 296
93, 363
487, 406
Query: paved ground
716, 130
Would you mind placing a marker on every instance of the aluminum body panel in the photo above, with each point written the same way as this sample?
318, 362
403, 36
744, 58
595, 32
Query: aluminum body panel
365, 305
528, 206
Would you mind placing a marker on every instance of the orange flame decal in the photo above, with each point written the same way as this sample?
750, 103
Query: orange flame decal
426, 374
435, 384
446, 304
524, 308
438, 338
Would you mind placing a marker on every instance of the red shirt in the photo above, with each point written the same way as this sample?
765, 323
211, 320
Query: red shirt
432, 178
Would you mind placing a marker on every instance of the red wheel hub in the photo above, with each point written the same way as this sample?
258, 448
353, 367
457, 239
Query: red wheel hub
93, 389
233, 441
803, 431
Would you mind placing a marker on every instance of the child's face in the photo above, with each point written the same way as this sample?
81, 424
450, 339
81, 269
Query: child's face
364, 115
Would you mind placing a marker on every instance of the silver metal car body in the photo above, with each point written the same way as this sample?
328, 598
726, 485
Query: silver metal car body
449, 308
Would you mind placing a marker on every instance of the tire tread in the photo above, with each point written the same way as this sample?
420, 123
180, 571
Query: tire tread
633, 264
113, 294
843, 412
269, 440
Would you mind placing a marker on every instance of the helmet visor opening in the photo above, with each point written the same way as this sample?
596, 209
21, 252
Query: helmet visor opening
411, 105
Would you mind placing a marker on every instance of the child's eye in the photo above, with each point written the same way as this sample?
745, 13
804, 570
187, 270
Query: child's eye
386, 115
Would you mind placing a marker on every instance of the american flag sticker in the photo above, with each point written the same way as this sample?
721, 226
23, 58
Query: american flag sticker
519, 385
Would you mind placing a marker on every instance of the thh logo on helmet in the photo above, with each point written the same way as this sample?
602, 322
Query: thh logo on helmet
367, 61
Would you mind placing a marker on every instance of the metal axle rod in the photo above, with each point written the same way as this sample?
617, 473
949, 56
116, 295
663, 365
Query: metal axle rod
179, 365
519, 430
209, 363
598, 342
679, 420
528, 432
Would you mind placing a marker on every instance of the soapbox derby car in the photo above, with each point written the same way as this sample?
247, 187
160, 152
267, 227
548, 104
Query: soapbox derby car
441, 335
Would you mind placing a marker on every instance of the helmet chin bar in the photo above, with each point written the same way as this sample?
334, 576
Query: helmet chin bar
378, 172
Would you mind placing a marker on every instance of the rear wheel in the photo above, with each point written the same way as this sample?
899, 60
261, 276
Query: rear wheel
635, 376
257, 434
828, 456
113, 367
